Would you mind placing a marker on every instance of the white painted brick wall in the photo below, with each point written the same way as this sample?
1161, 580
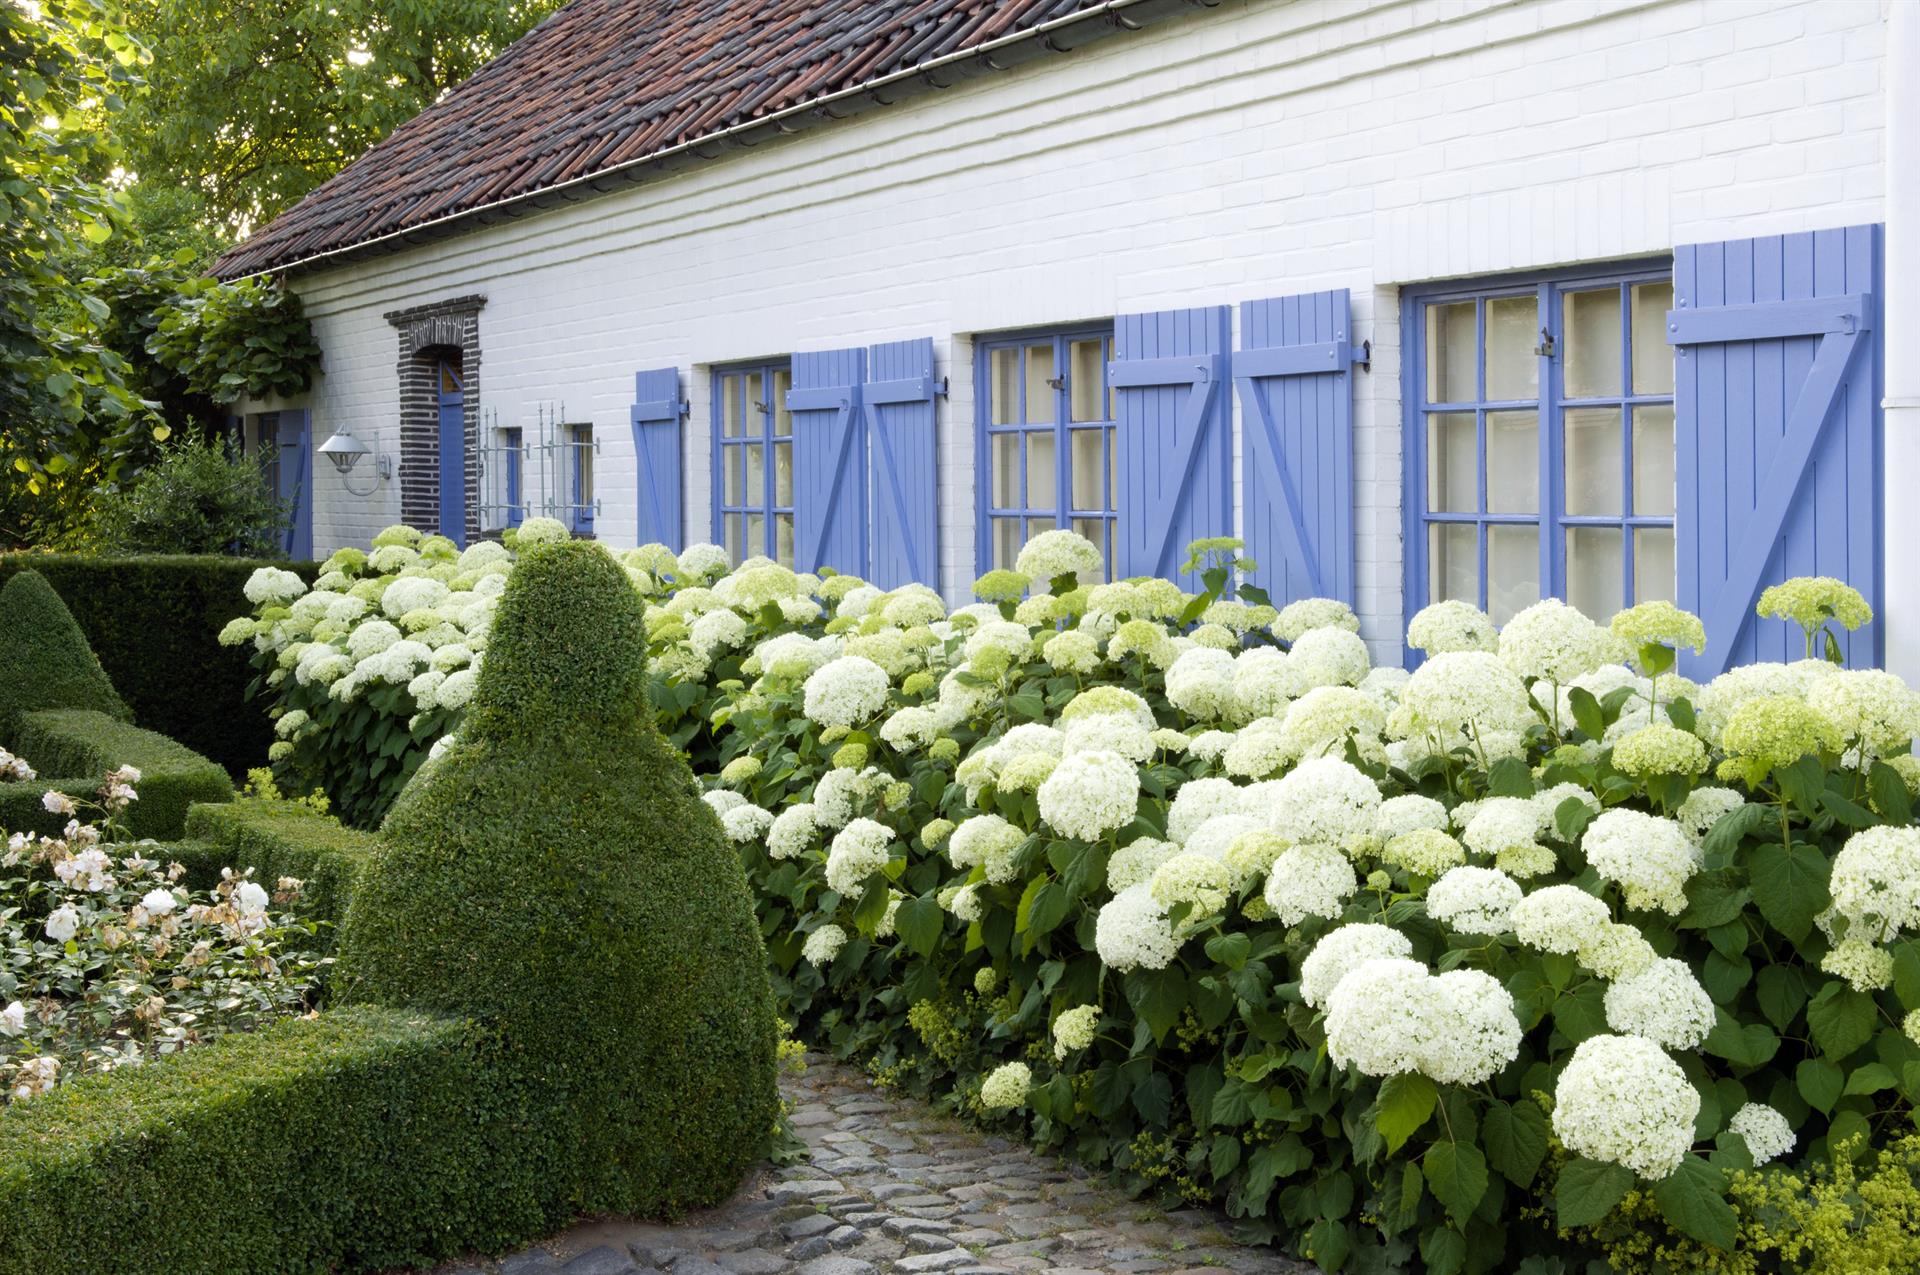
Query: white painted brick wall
1255, 150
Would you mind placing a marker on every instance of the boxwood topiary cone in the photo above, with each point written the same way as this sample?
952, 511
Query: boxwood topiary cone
45, 661
556, 877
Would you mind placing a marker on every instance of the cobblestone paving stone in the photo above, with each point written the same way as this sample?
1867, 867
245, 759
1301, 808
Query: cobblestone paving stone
893, 1188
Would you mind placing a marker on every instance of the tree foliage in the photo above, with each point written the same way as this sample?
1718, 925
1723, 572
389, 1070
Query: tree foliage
251, 105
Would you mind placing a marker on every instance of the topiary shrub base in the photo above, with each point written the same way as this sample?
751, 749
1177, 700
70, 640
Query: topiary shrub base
80, 745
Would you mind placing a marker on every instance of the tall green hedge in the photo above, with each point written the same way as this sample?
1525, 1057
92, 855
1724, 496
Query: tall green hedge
557, 878
154, 623
71, 748
355, 1140
45, 661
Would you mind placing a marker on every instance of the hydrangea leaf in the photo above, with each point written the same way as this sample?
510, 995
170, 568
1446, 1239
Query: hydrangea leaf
1870, 1079
1588, 1190
1405, 1103
1751, 1045
1158, 996
1789, 885
1457, 1175
1819, 1082
1889, 792
1515, 1138
1724, 838
1906, 974
919, 923
1586, 713
1693, 1199
1841, 1018
1444, 1250
1782, 993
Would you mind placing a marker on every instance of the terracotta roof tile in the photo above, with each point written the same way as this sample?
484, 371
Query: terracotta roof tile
604, 83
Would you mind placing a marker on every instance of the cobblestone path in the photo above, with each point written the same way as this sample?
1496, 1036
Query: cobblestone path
893, 1189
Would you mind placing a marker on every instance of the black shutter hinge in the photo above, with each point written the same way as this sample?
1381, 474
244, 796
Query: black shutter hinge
1545, 349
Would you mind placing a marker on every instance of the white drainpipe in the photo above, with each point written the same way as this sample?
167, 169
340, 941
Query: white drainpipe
1900, 313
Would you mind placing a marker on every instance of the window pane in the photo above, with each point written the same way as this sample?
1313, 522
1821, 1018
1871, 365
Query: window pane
1453, 562
1041, 492
730, 467
1453, 462
1006, 471
1653, 460
1085, 468
1451, 339
1037, 525
736, 526
783, 474
1513, 570
1596, 571
1592, 451
1039, 393
1513, 462
1591, 329
783, 539
1006, 542
754, 414
1004, 374
1652, 356
756, 489
1085, 380
756, 534
1653, 570
730, 407
583, 465
782, 418
1513, 330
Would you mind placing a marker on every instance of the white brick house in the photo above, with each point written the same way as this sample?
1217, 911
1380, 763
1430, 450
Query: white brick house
1507, 193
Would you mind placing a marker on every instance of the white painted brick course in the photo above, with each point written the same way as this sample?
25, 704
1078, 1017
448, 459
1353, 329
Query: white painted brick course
1255, 150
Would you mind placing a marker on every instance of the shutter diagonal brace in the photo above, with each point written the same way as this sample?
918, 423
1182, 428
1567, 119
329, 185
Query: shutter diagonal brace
1841, 323
1257, 407
890, 465
845, 402
1201, 374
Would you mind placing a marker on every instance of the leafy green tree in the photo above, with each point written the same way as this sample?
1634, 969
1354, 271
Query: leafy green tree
67, 414
250, 104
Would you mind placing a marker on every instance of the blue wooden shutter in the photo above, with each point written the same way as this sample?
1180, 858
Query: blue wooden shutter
1777, 422
906, 498
656, 416
1293, 372
829, 461
294, 450
1173, 422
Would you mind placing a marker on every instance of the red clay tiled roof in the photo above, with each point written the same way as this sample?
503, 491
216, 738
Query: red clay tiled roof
609, 83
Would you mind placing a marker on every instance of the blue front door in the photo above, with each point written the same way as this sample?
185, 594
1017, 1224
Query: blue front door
453, 455
292, 480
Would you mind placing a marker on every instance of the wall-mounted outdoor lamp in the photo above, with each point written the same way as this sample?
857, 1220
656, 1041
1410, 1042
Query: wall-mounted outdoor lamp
345, 451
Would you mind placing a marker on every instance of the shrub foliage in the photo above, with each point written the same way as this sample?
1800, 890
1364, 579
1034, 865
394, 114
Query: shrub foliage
45, 661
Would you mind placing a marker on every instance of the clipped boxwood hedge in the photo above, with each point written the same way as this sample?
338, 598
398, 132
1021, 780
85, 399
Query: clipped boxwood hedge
45, 661
73, 747
281, 839
358, 1139
154, 623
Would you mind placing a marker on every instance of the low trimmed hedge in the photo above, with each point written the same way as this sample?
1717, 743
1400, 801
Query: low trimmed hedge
154, 622
282, 839
73, 747
312, 1145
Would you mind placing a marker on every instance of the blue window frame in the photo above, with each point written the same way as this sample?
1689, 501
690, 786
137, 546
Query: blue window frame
516, 501
580, 479
753, 461
1540, 440
1045, 440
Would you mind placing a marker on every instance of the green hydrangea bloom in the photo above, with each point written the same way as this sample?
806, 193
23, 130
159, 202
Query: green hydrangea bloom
1659, 624
1660, 749
1001, 585
1810, 601
1770, 731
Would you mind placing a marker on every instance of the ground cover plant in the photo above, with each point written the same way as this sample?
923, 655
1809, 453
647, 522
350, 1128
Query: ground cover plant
1538, 954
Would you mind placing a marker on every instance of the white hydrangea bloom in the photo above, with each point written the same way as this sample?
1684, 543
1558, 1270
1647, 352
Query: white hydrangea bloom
1622, 1100
1341, 951
1376, 1016
1558, 918
1059, 553
1385, 685
1408, 812
1502, 824
1719, 699
699, 561
457, 691
1451, 626
859, 850
1072, 651
1327, 657
1876, 711
1109, 732
717, 631
792, 831
1866, 966
1310, 880
823, 945
1006, 1087
1324, 799
1090, 794
1132, 932
1192, 878
910, 729
1074, 1030
1450, 692
1210, 745
1258, 749
273, 586
1474, 900
1134, 863
1262, 683
792, 656
1548, 801
986, 841
1200, 684
721, 800
1472, 1029
1099, 701
1766, 1132
845, 692
1876, 882
1215, 838
412, 593
1615, 951
1663, 1002
746, 823
1297, 619
1425, 852
1326, 717
1705, 807
1016, 640
1649, 857
371, 638
1554, 641
840, 791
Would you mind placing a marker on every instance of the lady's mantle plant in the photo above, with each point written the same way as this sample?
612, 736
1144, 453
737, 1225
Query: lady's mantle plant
1538, 953
107, 961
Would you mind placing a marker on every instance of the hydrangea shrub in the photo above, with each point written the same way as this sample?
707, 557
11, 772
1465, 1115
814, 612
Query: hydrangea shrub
1487, 966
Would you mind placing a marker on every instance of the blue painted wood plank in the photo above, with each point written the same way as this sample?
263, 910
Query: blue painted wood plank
905, 454
829, 461
658, 444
